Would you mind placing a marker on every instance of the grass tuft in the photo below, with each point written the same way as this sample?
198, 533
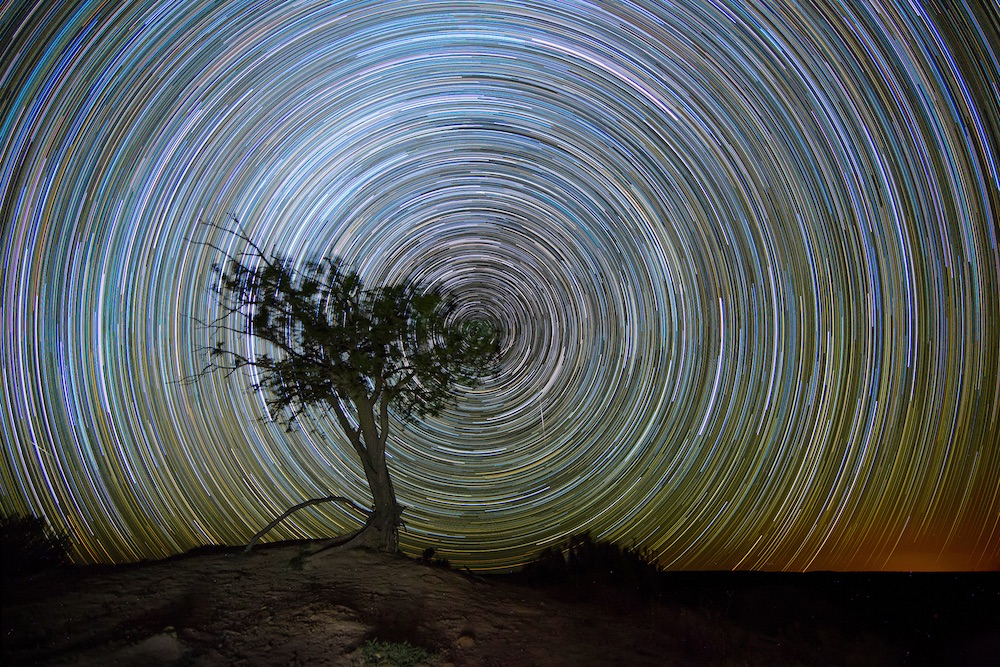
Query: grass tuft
392, 654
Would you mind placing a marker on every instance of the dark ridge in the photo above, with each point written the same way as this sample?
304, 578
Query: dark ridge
927, 617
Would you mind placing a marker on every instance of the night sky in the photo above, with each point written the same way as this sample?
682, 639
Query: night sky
744, 255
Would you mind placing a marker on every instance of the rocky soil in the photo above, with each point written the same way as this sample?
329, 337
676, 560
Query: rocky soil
273, 607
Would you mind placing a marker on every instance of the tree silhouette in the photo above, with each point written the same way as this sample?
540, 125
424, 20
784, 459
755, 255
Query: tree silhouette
324, 339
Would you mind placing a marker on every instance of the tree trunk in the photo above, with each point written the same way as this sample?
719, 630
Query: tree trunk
381, 531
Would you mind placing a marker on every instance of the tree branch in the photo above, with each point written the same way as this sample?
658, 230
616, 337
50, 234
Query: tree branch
306, 503
345, 424
383, 419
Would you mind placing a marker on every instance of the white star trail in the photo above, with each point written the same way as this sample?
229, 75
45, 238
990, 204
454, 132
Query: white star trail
743, 255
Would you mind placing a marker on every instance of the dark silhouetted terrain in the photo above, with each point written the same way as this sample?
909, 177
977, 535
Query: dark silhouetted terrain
217, 607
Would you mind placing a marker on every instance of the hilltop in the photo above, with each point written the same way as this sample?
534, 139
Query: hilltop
218, 607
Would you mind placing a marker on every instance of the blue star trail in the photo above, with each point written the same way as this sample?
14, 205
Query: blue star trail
743, 254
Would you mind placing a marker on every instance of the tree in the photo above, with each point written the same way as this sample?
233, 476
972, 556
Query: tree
326, 340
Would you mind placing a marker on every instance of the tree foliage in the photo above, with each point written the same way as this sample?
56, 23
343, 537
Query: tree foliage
329, 339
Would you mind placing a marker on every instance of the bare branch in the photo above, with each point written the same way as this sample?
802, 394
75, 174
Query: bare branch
306, 503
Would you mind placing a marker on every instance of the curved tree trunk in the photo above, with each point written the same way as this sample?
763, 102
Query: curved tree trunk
381, 531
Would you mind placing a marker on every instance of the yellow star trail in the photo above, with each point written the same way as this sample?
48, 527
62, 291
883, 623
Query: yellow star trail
743, 254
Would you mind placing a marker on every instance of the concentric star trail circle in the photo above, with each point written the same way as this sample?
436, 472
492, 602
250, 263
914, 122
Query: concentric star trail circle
743, 257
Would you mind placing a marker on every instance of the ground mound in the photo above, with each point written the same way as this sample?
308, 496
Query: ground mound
272, 607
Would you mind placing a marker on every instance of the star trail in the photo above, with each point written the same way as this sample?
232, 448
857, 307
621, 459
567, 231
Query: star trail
743, 256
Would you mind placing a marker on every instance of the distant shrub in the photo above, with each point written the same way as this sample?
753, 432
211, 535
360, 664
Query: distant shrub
585, 562
28, 545
428, 558
394, 654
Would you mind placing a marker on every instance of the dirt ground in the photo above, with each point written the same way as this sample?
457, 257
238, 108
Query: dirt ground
271, 608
